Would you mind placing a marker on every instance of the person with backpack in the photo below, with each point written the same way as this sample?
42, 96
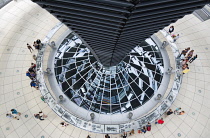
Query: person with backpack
148, 126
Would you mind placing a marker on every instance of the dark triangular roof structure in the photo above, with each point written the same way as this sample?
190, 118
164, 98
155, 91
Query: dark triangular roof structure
111, 28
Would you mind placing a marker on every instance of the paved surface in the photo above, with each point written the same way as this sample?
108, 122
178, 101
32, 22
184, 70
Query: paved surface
23, 22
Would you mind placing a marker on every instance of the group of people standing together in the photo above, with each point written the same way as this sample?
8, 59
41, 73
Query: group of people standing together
31, 73
186, 54
37, 45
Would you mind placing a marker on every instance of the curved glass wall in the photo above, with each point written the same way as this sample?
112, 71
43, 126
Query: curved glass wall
108, 90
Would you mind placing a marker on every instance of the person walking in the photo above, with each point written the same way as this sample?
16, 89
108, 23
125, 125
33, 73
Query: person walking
12, 116
29, 47
177, 110
160, 121
15, 112
171, 29
40, 116
193, 58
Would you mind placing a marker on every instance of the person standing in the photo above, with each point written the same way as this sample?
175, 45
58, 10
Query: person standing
189, 55
88, 136
124, 135
171, 29
34, 85
38, 41
185, 66
29, 47
193, 58
36, 46
107, 136
15, 112
181, 113
64, 124
144, 129
184, 52
148, 126
169, 112
34, 57
175, 38
131, 132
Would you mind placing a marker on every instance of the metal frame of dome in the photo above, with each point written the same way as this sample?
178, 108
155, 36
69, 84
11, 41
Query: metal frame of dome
108, 90
50, 97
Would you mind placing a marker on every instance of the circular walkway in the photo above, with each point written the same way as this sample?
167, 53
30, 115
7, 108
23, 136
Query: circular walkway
23, 22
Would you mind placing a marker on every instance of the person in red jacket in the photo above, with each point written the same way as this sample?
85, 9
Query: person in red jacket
160, 121
148, 126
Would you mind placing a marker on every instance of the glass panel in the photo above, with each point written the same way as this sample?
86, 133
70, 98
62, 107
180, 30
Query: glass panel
105, 90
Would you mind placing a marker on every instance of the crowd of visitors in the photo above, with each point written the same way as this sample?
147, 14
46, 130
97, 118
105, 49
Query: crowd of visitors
148, 127
187, 56
31, 73
37, 45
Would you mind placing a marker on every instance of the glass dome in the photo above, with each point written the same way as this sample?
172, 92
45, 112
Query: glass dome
108, 90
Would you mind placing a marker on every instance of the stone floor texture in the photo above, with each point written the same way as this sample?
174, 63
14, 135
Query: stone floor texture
23, 22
